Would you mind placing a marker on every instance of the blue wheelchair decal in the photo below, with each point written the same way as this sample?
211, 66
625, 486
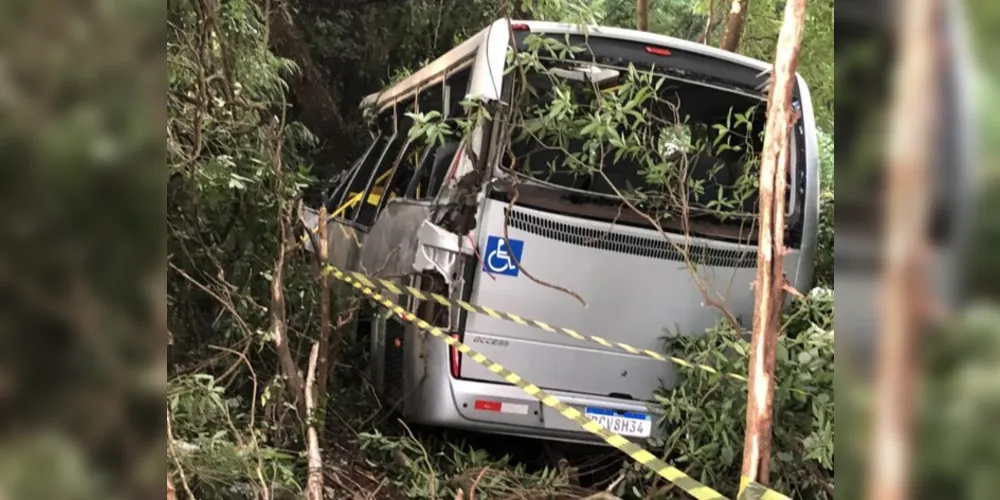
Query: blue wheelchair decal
501, 258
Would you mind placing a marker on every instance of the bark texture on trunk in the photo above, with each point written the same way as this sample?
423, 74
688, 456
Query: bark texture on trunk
734, 25
642, 15
769, 289
907, 216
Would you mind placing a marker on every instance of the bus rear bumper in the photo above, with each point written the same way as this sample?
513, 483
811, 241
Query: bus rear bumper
505, 409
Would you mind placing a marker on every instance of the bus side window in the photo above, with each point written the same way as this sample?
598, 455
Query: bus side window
417, 187
375, 187
346, 198
430, 173
444, 156
401, 174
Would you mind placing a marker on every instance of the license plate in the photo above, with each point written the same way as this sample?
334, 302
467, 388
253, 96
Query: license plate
625, 423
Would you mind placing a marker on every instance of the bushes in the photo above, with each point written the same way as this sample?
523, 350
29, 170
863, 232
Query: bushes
217, 450
705, 417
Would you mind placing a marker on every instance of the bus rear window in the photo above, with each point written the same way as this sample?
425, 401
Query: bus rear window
666, 145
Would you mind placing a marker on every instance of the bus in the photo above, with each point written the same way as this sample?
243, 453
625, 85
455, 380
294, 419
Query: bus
562, 248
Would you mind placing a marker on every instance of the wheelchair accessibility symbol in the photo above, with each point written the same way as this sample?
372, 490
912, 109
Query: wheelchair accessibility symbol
501, 258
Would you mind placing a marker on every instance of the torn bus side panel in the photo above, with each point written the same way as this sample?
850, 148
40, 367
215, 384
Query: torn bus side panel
404, 241
344, 241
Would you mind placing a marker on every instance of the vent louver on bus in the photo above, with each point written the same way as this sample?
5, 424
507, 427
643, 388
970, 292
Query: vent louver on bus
628, 244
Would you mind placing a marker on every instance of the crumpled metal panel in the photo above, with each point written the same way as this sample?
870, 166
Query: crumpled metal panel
391, 247
343, 240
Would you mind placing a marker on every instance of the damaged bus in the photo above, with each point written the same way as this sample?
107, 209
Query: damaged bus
477, 217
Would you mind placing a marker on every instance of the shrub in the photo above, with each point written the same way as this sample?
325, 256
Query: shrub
705, 417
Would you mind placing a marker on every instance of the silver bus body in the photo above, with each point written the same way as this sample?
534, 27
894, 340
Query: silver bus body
636, 286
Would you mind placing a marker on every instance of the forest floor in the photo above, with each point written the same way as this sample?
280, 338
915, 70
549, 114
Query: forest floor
373, 454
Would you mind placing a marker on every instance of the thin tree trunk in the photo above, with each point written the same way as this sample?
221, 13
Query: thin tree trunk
309, 87
703, 37
642, 15
279, 327
769, 291
734, 25
315, 388
904, 291
324, 363
314, 457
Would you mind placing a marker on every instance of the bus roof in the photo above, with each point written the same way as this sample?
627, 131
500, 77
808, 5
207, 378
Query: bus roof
436, 70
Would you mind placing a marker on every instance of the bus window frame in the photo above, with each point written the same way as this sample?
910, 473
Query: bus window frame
335, 206
373, 178
394, 171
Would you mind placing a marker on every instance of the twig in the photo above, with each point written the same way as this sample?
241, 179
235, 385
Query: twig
279, 327
479, 477
171, 491
432, 477
510, 206
374, 493
253, 413
177, 463
619, 479
602, 495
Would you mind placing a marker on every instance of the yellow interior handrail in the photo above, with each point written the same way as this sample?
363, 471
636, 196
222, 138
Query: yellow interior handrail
373, 198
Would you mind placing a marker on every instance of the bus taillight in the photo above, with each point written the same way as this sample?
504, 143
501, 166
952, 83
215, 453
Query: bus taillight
455, 360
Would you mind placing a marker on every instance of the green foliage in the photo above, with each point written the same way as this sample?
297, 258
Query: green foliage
705, 417
234, 171
958, 407
216, 442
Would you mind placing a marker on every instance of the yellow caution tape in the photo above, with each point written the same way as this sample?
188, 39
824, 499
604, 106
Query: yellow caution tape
751, 490
569, 332
634, 451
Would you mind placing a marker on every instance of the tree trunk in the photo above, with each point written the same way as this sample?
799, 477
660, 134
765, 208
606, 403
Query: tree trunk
314, 457
769, 288
703, 37
734, 25
642, 15
325, 362
317, 104
904, 293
